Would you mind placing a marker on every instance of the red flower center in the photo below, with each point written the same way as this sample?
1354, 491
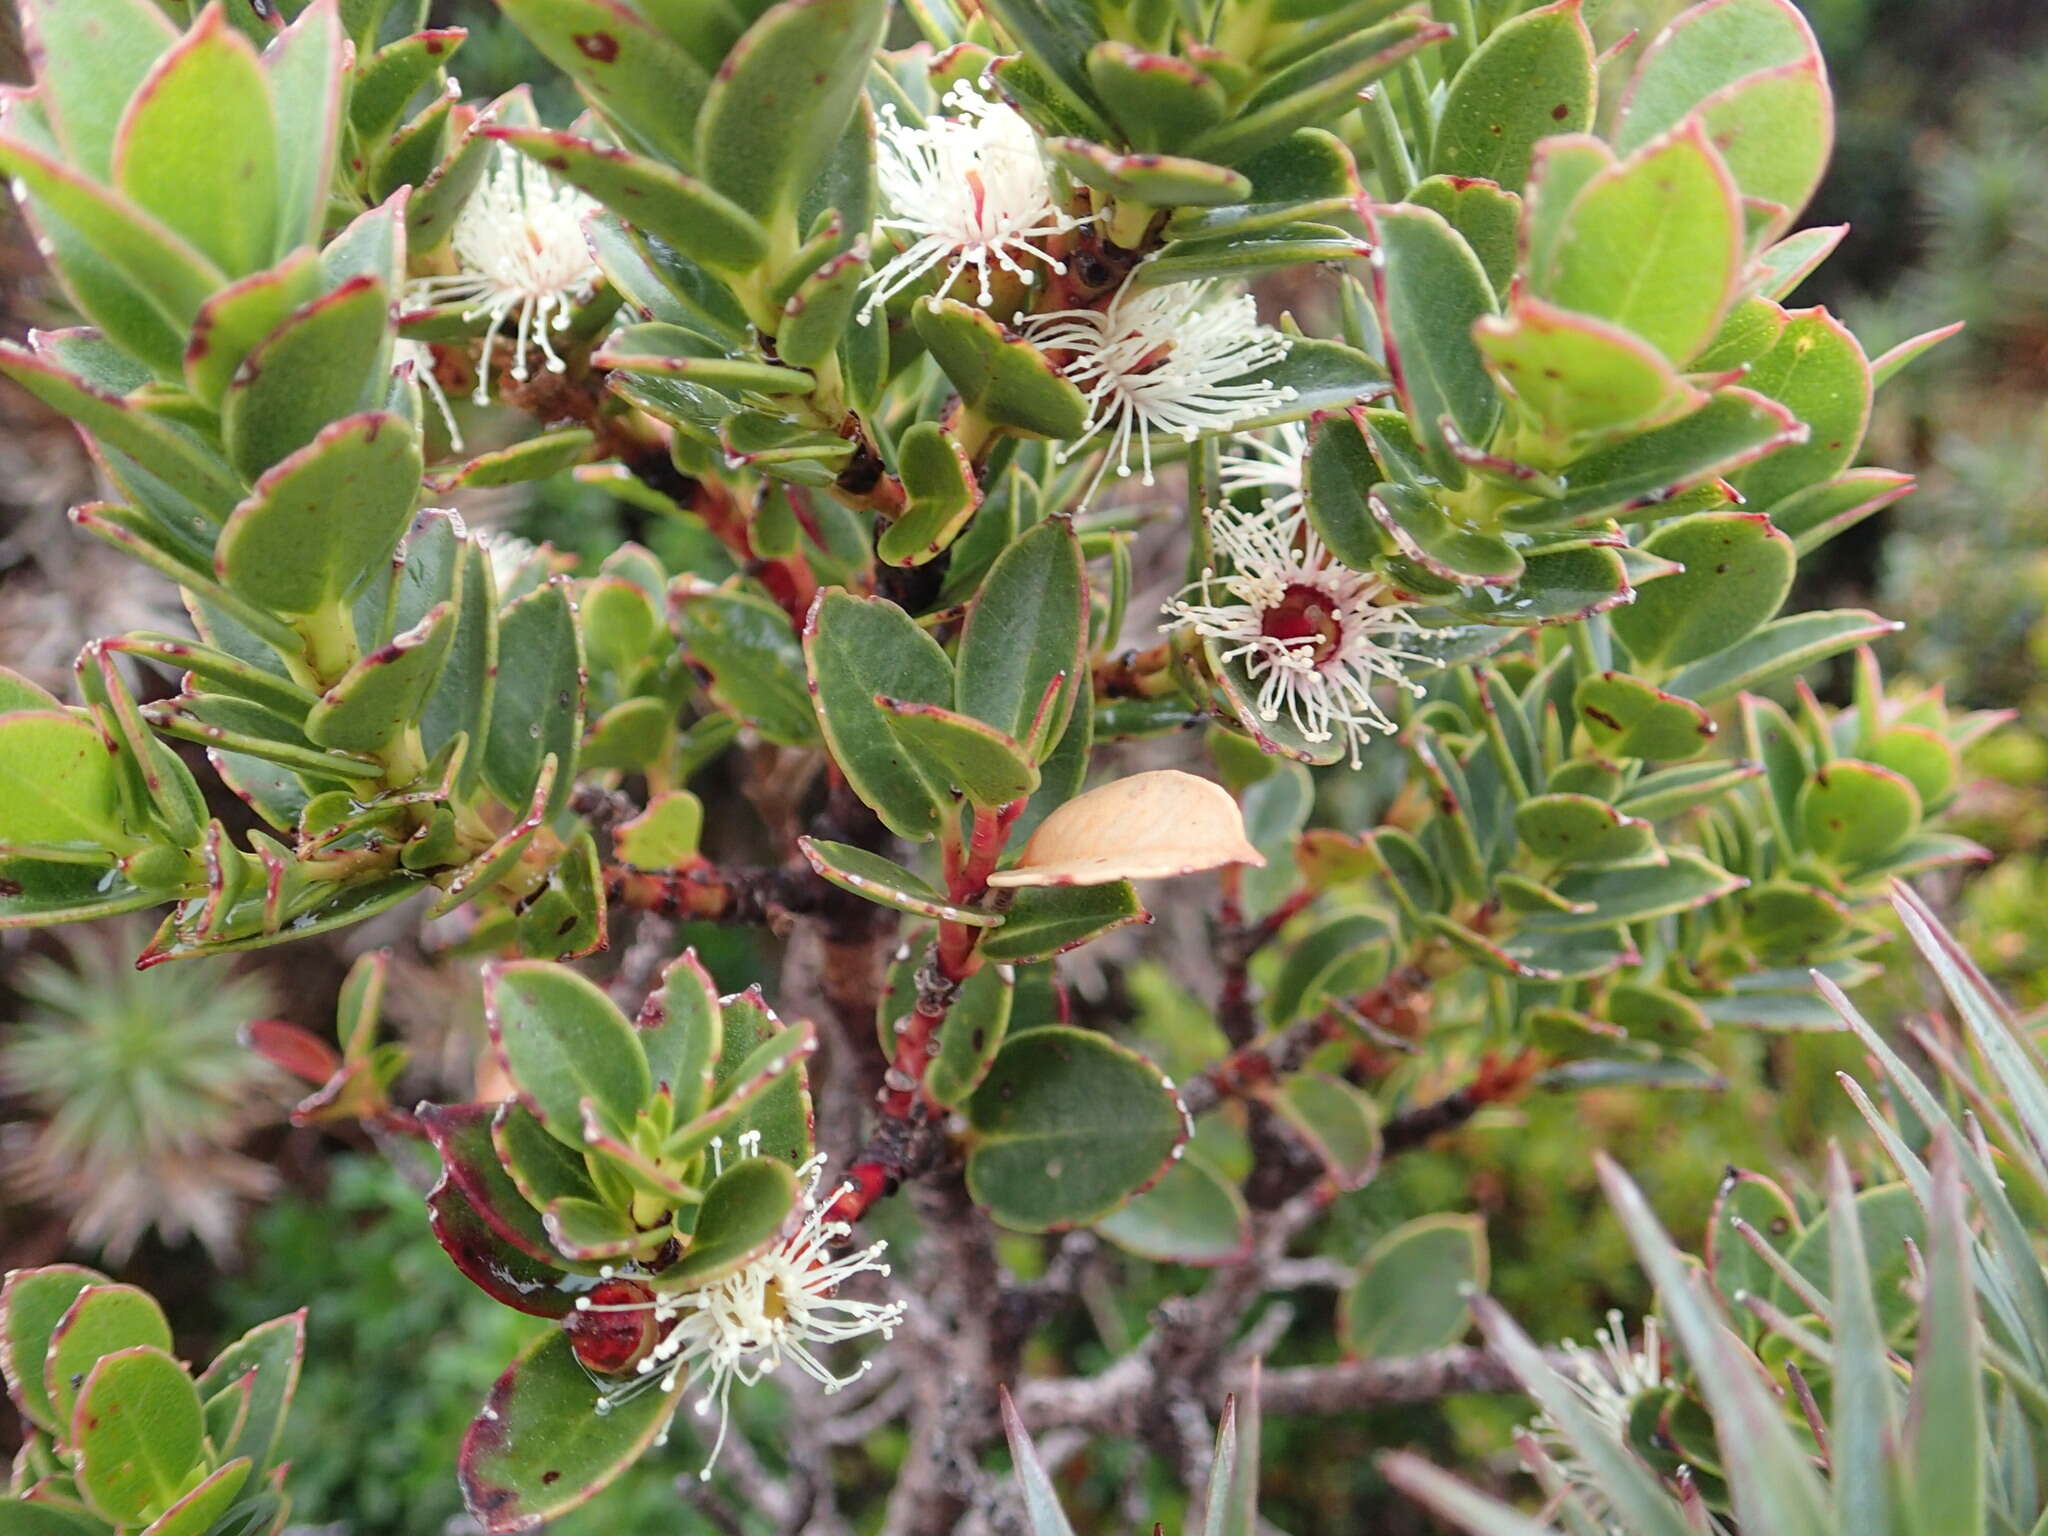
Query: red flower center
1305, 613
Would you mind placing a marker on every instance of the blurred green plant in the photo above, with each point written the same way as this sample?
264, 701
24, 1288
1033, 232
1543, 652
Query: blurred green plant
1869, 1360
400, 1349
136, 1092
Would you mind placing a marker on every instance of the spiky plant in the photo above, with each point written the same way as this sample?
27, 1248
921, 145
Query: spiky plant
136, 1091
1873, 1361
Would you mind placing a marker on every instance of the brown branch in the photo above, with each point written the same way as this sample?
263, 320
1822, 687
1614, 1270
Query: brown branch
707, 892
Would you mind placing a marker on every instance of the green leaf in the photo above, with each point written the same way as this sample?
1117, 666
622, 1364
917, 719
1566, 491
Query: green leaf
58, 783
1483, 215
1577, 376
859, 649
562, 1042
1193, 1215
329, 359
32, 1303
1783, 646
1158, 100
633, 74
1409, 1296
114, 252
1339, 1123
753, 657
970, 1036
268, 1356
1045, 921
1633, 893
1426, 534
35, 894
1817, 370
1855, 813
741, 1219
284, 548
536, 709
674, 352
886, 882
1653, 244
1430, 290
1042, 1512
682, 1033
88, 64
1315, 90
1309, 175
1863, 1428
939, 481
382, 694
1624, 716
1021, 649
665, 835
1579, 829
1056, 35
176, 458
100, 1320
234, 320
781, 100
1706, 49
197, 146
1531, 78
989, 767
1775, 130
541, 1447
1153, 180
761, 1067
1006, 381
1762, 1204
821, 311
1738, 569
1733, 427
197, 1513
1816, 514
1066, 1128
139, 1429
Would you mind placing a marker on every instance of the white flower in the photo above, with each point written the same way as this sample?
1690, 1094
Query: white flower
1313, 634
1607, 1380
1164, 360
1273, 466
970, 189
762, 1316
523, 260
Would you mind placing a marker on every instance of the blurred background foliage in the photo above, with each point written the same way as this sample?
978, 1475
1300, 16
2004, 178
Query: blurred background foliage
1942, 169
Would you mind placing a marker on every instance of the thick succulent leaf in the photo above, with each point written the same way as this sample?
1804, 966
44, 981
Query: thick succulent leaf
1781, 647
1531, 78
197, 146
782, 98
563, 1041
1007, 381
1430, 290
741, 1218
1021, 649
329, 359
1068, 1126
1410, 1293
1193, 1215
32, 1303
1738, 569
885, 881
634, 74
88, 64
138, 1431
542, 1446
267, 1358
753, 656
1045, 921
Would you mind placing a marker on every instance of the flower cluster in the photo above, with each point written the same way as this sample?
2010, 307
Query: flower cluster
1607, 1379
767, 1313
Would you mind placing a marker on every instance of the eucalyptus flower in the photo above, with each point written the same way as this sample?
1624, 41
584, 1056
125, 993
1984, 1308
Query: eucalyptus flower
523, 261
1315, 636
1173, 360
971, 190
